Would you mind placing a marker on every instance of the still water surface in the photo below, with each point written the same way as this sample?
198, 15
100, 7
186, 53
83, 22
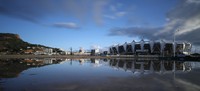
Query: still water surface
98, 75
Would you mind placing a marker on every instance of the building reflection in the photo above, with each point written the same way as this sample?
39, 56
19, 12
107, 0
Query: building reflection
96, 62
13, 67
142, 66
150, 66
81, 61
38, 62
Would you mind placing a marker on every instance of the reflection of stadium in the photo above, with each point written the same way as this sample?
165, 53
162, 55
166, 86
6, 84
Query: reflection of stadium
150, 66
151, 47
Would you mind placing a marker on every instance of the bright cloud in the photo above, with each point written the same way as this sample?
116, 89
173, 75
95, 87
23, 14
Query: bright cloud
69, 25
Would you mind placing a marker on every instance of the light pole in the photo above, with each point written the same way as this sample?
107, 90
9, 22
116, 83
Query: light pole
175, 41
71, 51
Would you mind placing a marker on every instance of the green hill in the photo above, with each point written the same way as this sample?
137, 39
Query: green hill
12, 43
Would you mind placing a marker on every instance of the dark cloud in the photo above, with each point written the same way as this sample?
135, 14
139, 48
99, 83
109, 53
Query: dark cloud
185, 17
30, 10
185, 9
192, 36
37, 10
135, 32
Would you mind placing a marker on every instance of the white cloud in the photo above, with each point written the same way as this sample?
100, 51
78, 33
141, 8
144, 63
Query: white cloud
95, 47
190, 25
113, 8
120, 14
98, 9
169, 27
109, 16
193, 1
69, 25
115, 15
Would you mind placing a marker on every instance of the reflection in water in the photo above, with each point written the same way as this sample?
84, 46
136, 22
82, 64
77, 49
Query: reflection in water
13, 67
150, 66
52, 74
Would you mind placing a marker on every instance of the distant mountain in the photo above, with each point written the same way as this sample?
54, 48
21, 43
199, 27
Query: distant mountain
12, 43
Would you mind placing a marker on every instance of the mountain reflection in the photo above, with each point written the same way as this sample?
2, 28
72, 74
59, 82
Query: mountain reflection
13, 67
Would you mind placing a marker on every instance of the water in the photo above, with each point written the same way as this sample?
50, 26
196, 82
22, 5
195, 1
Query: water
98, 75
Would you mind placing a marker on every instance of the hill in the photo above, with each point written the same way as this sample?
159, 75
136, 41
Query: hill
13, 44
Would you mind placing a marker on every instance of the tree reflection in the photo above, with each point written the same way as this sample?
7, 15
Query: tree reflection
13, 67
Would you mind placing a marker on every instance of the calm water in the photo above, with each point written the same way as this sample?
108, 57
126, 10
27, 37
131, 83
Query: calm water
98, 75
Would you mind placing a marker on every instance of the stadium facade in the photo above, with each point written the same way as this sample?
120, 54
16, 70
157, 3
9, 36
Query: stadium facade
160, 47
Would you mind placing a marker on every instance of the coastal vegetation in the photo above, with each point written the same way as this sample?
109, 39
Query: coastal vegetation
13, 44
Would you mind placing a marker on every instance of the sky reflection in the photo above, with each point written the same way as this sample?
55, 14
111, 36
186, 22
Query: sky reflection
106, 74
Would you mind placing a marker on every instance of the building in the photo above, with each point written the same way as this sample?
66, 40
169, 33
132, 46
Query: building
81, 52
95, 52
48, 51
44, 51
160, 47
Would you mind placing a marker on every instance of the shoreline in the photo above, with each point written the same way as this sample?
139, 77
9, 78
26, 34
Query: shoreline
48, 56
137, 57
79, 56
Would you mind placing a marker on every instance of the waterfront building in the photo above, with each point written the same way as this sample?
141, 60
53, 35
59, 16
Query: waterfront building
95, 52
82, 52
48, 51
44, 51
161, 47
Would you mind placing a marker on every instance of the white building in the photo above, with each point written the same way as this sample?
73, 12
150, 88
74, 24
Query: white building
160, 47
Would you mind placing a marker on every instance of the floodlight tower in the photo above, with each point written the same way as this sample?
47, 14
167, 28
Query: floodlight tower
175, 41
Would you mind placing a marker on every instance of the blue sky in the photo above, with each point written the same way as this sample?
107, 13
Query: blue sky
90, 23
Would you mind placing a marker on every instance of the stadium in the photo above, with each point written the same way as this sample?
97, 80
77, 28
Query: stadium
160, 47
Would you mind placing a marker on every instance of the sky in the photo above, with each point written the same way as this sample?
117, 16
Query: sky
100, 23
